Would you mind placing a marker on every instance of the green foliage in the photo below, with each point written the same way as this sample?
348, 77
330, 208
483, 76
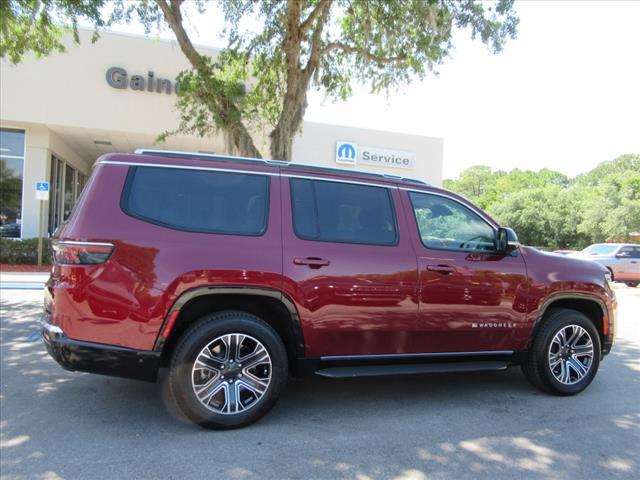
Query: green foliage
24, 252
38, 26
548, 209
276, 52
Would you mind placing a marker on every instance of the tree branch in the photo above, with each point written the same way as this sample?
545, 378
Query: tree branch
367, 55
173, 16
316, 47
217, 102
320, 8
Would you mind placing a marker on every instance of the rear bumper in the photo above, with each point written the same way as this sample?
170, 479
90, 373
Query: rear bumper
98, 358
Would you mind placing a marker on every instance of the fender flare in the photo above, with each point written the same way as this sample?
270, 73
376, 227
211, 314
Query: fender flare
566, 296
196, 292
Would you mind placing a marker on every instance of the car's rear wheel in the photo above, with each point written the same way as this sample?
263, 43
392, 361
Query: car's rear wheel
228, 370
565, 354
632, 284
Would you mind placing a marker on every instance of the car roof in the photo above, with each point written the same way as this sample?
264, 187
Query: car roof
311, 168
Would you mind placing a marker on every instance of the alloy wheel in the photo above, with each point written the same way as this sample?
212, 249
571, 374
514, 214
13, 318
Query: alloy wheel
571, 354
231, 373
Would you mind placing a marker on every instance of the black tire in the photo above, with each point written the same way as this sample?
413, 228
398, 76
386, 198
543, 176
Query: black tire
632, 284
537, 368
192, 343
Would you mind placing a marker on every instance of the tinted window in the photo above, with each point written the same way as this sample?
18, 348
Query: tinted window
448, 225
342, 212
197, 200
630, 252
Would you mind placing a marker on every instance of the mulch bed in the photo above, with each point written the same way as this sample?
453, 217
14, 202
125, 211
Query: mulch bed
5, 268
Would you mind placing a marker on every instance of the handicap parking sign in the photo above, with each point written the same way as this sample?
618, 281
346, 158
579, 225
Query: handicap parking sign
42, 190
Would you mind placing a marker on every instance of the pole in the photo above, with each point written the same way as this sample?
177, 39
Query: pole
40, 233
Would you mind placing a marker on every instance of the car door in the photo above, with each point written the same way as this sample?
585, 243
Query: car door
349, 266
471, 298
627, 264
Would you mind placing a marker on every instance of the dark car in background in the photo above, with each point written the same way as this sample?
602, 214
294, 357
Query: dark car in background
10, 230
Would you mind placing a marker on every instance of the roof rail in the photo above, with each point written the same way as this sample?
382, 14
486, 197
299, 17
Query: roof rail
306, 166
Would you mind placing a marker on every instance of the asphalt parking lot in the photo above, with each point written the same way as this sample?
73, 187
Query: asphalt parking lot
57, 424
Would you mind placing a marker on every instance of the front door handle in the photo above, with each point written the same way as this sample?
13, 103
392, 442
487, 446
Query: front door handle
311, 262
443, 269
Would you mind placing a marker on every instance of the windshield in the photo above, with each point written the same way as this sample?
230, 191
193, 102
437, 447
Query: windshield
600, 249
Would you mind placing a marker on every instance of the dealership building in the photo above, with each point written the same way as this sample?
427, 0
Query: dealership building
60, 113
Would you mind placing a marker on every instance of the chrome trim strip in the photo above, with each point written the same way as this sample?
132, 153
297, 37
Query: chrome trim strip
74, 242
248, 172
415, 355
214, 156
185, 167
51, 329
336, 180
284, 163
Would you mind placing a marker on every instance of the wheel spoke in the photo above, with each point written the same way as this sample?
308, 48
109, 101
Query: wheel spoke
565, 374
583, 350
575, 336
577, 367
232, 398
206, 391
207, 361
232, 346
254, 384
259, 355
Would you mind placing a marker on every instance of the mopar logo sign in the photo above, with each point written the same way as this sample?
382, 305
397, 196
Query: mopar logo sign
353, 154
346, 152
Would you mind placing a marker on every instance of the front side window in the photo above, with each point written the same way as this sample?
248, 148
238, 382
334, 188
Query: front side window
342, 212
630, 252
198, 200
11, 166
445, 224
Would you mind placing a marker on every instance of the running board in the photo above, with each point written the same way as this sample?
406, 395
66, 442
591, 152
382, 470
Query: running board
410, 369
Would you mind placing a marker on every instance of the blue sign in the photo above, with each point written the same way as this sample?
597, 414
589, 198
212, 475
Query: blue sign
42, 191
346, 152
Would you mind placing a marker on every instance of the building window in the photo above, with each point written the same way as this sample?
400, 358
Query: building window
11, 167
66, 185
55, 195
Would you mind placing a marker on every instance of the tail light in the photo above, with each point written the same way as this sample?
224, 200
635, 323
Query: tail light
81, 253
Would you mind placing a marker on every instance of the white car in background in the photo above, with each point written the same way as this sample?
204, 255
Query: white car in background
622, 260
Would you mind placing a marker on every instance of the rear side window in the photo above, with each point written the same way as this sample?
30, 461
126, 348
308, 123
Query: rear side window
198, 200
342, 212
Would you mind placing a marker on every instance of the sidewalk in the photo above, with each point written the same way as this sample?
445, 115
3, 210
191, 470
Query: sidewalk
22, 280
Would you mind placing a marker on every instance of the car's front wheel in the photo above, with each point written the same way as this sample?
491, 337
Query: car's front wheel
565, 353
632, 284
228, 370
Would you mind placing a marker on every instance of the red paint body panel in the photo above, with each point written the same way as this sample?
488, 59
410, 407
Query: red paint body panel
368, 300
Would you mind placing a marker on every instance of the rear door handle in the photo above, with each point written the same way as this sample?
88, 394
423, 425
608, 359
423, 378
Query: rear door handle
444, 269
311, 262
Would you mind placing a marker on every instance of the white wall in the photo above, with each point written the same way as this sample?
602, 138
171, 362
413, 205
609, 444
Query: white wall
317, 144
64, 103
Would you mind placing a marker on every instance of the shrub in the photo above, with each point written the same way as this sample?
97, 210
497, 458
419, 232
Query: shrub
24, 252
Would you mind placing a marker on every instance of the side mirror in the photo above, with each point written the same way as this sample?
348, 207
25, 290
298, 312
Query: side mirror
506, 241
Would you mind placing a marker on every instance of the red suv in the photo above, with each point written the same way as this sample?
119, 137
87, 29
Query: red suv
234, 272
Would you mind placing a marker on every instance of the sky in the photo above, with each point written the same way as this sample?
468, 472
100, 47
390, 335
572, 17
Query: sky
564, 95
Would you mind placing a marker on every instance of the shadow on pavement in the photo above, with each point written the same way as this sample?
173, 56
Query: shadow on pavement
489, 425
